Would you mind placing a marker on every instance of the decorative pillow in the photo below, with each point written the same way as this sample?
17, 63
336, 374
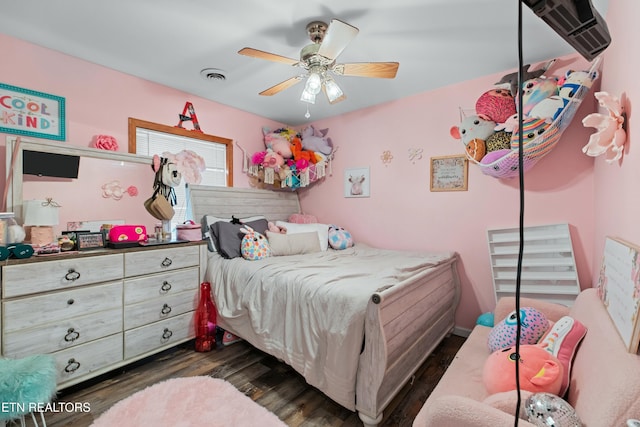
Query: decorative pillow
302, 219
562, 341
534, 324
339, 238
227, 237
293, 244
208, 220
321, 229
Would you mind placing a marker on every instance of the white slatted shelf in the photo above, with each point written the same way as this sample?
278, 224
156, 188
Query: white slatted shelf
548, 264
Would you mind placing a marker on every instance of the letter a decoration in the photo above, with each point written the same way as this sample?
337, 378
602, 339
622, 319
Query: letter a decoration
189, 114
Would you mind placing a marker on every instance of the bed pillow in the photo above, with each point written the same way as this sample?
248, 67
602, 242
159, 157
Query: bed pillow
321, 229
227, 236
293, 244
208, 220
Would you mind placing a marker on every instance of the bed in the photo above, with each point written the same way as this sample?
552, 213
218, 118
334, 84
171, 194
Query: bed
356, 323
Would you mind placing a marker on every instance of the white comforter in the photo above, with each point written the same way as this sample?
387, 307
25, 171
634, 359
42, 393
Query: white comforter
309, 310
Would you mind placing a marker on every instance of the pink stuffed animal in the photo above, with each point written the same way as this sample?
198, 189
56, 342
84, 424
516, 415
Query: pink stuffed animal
279, 141
611, 135
539, 371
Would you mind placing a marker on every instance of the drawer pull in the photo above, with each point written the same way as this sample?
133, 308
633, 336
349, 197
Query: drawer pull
165, 309
72, 335
72, 366
166, 287
166, 262
166, 334
70, 301
72, 275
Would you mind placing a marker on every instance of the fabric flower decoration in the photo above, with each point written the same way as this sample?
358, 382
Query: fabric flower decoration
189, 164
132, 191
106, 142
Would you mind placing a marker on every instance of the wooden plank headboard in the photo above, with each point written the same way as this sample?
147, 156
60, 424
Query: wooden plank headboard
224, 202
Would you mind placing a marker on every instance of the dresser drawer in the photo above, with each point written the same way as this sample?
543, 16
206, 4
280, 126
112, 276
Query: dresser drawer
159, 309
79, 361
66, 333
165, 333
56, 307
161, 284
159, 260
24, 279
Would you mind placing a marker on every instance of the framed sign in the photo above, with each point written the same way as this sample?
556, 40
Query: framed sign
30, 113
449, 173
357, 182
86, 241
619, 288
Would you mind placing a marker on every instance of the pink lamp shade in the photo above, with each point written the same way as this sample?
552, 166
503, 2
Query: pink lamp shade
41, 215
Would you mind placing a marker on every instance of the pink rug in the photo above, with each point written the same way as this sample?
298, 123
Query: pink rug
185, 402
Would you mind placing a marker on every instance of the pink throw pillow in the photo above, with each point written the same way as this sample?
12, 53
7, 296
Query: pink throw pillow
303, 219
562, 341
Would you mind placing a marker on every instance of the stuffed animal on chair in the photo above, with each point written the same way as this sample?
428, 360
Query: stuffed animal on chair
533, 325
538, 370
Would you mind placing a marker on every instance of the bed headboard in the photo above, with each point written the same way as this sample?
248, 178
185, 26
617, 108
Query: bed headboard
224, 202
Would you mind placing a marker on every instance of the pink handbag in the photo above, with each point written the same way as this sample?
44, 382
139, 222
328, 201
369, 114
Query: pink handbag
189, 231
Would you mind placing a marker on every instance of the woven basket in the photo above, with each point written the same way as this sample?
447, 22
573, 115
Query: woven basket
507, 165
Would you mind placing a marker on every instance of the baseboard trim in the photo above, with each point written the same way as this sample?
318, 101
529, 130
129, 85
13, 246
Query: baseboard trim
462, 332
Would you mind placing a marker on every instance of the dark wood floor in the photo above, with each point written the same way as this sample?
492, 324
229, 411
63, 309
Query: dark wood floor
272, 384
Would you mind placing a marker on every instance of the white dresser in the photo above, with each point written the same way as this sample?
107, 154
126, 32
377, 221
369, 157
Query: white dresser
99, 310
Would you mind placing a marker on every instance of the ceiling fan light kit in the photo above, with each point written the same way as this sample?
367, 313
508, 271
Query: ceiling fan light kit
318, 60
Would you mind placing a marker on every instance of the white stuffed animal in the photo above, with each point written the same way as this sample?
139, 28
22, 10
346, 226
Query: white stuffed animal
610, 135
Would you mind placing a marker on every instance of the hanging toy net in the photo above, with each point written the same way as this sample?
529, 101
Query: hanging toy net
541, 133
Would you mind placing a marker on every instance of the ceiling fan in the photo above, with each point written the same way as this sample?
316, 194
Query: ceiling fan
318, 60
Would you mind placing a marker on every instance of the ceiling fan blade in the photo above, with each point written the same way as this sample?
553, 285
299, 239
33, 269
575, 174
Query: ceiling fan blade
255, 53
382, 70
281, 86
338, 36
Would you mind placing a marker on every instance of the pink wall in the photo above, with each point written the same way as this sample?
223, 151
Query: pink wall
617, 205
403, 213
100, 101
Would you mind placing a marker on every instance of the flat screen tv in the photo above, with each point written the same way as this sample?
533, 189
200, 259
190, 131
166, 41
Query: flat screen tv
50, 164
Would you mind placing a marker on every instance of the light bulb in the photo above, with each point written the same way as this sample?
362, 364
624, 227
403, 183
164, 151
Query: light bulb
332, 89
314, 84
308, 97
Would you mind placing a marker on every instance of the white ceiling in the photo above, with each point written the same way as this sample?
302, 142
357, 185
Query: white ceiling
436, 42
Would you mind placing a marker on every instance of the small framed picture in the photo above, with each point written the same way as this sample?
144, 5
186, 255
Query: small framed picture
86, 241
357, 182
449, 173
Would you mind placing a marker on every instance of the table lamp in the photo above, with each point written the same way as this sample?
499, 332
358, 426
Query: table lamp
41, 216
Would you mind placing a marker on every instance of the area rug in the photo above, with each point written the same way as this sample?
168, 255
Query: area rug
187, 402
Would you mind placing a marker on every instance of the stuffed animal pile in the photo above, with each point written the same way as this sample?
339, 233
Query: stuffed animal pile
491, 133
291, 159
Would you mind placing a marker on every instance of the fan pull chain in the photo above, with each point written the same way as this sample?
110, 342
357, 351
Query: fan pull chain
307, 114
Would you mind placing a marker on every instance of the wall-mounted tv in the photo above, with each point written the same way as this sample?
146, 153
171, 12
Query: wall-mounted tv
50, 164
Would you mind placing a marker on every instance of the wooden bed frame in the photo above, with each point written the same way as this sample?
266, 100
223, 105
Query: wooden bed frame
404, 322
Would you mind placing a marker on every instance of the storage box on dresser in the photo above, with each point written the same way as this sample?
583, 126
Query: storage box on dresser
98, 310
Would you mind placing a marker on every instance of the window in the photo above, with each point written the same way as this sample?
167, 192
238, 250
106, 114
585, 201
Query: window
146, 138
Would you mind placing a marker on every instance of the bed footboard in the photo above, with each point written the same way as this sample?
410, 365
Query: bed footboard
404, 324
